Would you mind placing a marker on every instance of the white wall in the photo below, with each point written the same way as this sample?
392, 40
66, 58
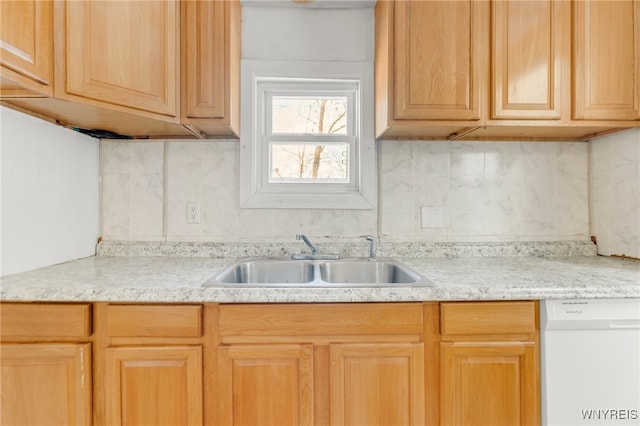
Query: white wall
307, 34
615, 193
49, 200
489, 191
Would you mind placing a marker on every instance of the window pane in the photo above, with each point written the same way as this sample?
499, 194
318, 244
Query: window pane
297, 114
309, 162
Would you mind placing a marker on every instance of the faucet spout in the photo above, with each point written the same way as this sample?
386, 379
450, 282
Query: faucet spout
372, 246
314, 249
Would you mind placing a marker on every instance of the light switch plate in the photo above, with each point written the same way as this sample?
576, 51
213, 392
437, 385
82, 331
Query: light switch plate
432, 217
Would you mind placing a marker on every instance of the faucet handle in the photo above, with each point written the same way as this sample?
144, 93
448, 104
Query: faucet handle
372, 246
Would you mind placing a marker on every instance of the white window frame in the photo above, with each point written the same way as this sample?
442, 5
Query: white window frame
263, 79
269, 88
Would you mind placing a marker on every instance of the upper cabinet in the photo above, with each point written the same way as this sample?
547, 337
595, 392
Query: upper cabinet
122, 53
437, 63
140, 69
606, 49
526, 59
503, 69
26, 48
429, 67
464, 69
211, 48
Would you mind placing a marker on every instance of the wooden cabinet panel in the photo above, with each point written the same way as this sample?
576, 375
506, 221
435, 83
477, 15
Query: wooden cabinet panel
154, 386
266, 385
211, 50
606, 48
526, 59
477, 318
489, 384
274, 320
438, 67
31, 320
377, 384
26, 48
154, 320
124, 53
45, 384
204, 53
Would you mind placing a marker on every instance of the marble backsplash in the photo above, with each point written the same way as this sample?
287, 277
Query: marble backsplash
488, 191
615, 193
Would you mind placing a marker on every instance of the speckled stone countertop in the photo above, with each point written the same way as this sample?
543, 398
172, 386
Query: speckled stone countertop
142, 278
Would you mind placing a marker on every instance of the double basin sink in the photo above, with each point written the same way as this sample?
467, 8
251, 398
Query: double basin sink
283, 272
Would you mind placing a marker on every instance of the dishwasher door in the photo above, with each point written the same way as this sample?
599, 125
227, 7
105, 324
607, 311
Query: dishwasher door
590, 362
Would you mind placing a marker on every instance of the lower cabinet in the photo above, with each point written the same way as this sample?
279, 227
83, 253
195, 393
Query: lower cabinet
45, 384
413, 364
489, 364
154, 385
45, 364
322, 364
368, 384
150, 362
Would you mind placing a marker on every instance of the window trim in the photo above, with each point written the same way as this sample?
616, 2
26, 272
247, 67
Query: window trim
361, 192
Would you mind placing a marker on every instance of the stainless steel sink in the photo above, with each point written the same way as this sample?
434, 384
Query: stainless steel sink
365, 271
268, 271
283, 272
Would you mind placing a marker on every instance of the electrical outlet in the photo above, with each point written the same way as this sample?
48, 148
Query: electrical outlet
193, 213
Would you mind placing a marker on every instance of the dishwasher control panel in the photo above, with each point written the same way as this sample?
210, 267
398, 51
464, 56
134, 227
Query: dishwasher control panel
590, 313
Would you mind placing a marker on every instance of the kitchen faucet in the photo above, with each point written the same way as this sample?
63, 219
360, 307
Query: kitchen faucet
314, 249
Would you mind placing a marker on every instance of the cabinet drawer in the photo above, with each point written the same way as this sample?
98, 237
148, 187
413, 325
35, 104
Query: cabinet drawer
487, 318
45, 320
154, 320
321, 319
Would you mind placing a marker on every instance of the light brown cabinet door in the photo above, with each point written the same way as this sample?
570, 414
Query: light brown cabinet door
45, 384
438, 47
606, 50
485, 383
154, 385
204, 53
26, 46
211, 50
266, 384
526, 58
124, 53
377, 384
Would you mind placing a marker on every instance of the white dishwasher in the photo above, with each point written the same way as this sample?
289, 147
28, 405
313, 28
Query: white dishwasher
590, 362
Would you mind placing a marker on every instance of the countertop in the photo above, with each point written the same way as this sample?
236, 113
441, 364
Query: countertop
180, 280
